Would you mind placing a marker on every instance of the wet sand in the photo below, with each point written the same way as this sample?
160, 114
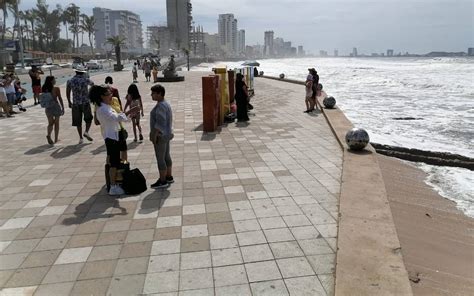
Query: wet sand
436, 239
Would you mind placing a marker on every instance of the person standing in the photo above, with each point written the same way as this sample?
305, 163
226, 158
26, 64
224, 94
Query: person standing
35, 75
315, 86
147, 70
161, 133
134, 100
135, 72
115, 93
155, 73
309, 93
241, 98
3, 97
54, 109
80, 104
110, 121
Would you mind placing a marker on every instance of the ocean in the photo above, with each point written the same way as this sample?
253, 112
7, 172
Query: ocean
374, 92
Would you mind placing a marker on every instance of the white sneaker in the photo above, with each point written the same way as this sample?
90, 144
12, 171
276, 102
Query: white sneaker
81, 141
116, 190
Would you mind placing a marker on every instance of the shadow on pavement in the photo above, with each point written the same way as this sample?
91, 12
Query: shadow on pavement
39, 149
133, 145
360, 152
99, 205
153, 201
67, 151
99, 150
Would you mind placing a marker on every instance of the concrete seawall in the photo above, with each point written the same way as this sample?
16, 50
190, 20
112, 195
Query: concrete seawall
369, 259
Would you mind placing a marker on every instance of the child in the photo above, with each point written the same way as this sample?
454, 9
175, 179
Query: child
20, 95
134, 100
309, 93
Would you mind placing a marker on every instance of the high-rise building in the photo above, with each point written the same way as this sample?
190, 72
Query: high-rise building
470, 51
390, 52
121, 23
179, 19
336, 53
301, 52
159, 39
241, 41
227, 30
268, 44
354, 52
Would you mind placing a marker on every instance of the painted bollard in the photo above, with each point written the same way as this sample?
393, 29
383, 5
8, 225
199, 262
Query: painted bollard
329, 102
357, 138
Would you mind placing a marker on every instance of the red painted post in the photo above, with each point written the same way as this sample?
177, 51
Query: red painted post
209, 108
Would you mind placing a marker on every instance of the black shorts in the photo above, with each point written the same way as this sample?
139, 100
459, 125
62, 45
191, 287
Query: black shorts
122, 140
78, 111
113, 152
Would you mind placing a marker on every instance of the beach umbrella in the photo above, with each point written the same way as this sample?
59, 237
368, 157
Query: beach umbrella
251, 63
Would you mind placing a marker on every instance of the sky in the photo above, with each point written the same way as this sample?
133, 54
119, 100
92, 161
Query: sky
415, 26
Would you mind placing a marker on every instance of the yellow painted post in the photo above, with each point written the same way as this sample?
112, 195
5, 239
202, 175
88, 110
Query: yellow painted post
224, 91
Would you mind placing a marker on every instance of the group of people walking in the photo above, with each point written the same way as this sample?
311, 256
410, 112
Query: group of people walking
108, 112
148, 68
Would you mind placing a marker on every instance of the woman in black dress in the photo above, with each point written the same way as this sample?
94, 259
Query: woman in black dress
241, 98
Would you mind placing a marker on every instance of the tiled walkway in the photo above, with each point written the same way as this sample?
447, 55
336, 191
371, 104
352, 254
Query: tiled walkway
253, 210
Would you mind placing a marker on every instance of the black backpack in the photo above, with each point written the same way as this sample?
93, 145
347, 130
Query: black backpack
133, 182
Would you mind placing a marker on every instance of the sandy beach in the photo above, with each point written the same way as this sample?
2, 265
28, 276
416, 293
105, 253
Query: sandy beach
436, 238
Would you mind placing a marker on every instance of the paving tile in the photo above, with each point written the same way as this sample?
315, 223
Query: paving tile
52, 210
5, 276
194, 219
237, 290
293, 267
161, 282
27, 277
166, 247
269, 288
262, 271
194, 260
105, 252
112, 226
73, 255
126, 285
91, 287
59, 289
63, 273
16, 223
197, 292
272, 222
196, 279
315, 246
12, 261
21, 246
139, 224
256, 253
246, 225
24, 291
82, 240
135, 250
52, 243
242, 215
221, 228
194, 209
38, 203
327, 281
223, 257
278, 235
43, 258
128, 266
296, 220
97, 269
223, 241
171, 221
195, 244
308, 285
164, 263
167, 233
251, 238
229, 275
134, 236
286, 249
111, 238
305, 232
327, 230
194, 231
218, 217
322, 264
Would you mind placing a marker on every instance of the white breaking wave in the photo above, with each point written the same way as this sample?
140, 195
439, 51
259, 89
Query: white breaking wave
372, 92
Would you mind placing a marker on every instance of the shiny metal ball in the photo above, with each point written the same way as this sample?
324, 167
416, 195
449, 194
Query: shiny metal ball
329, 102
357, 138
282, 76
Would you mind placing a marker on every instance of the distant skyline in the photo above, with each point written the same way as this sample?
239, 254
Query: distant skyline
417, 26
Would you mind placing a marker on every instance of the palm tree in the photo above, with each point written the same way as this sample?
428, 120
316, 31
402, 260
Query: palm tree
74, 12
88, 26
30, 16
117, 42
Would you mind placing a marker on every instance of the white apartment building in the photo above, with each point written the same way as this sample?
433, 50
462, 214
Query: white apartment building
122, 23
227, 31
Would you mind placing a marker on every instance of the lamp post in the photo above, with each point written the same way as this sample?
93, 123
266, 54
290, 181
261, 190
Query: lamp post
20, 33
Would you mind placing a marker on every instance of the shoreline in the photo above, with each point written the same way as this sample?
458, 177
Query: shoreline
433, 233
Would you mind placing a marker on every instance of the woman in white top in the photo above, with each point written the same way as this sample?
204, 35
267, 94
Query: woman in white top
109, 120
